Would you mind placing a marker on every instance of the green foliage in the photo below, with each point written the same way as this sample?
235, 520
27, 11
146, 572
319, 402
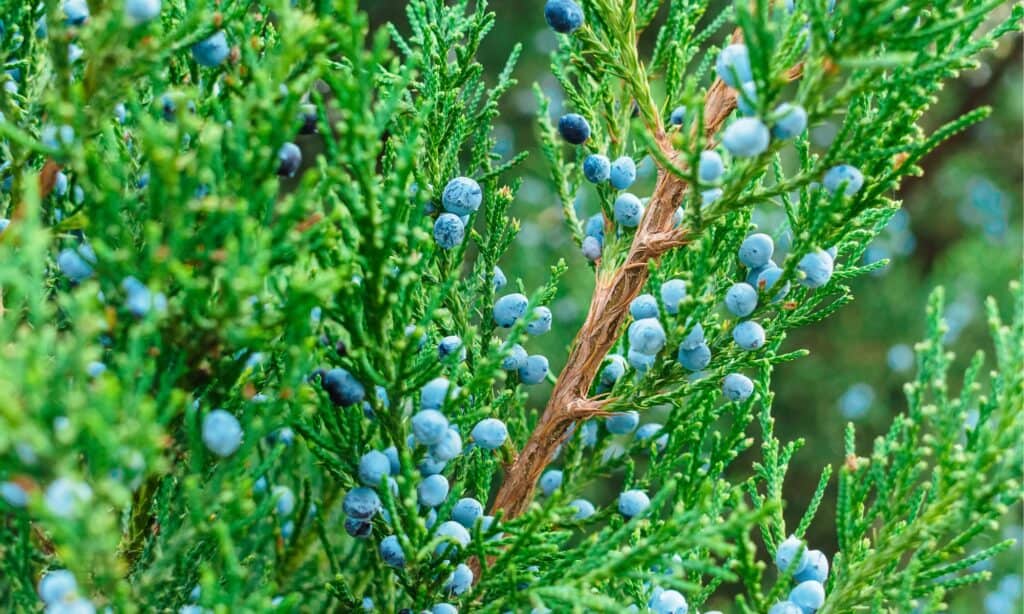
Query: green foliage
182, 196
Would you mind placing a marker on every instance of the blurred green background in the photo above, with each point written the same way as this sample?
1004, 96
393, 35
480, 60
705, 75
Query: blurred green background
960, 228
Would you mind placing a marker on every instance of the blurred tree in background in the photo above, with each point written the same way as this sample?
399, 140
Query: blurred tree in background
961, 227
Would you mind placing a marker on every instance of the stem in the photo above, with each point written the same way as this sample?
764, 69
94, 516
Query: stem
608, 309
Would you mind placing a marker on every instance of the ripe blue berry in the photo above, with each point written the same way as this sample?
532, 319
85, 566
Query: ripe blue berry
741, 299
623, 173
449, 447
678, 116
490, 433
748, 335
515, 359
785, 607
284, 500
541, 322
746, 99
597, 168
432, 491
361, 503
633, 503
394, 463
56, 586
550, 481
588, 434
746, 137
622, 423
535, 369
574, 128
460, 580
628, 210
644, 306
76, 12
449, 230
449, 346
466, 512
613, 370
563, 16
343, 388
815, 568
737, 387
788, 551
668, 602
584, 509
222, 433
791, 120
673, 292
444, 608
211, 51
13, 494
648, 431
646, 336
498, 279
289, 158
76, 263
709, 196
768, 278
710, 168
462, 196
733, 65
360, 529
816, 268
434, 393
66, 497
454, 531
591, 248
4, 223
595, 226
756, 250
640, 361
429, 426
373, 467
391, 551
509, 308
431, 466
809, 595
843, 174
694, 338
694, 359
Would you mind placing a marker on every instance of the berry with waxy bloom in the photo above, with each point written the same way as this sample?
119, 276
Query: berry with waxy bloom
429, 426
816, 269
628, 210
490, 433
221, 433
646, 336
737, 387
449, 231
749, 335
574, 128
791, 120
733, 65
211, 51
563, 16
462, 196
509, 308
632, 503
673, 292
289, 159
741, 299
710, 167
597, 168
746, 137
535, 370
843, 174
622, 173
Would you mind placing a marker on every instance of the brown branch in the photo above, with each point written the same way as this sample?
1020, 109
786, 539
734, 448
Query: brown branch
608, 309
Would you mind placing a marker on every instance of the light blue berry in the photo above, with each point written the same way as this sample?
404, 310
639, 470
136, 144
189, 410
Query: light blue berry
756, 250
588, 434
768, 278
639, 361
284, 500
694, 338
733, 65
466, 512
785, 607
791, 120
741, 299
4, 223
57, 586
498, 278
737, 387
535, 369
788, 551
748, 335
541, 322
746, 137
394, 463
509, 308
622, 423
815, 568
212, 51
13, 494
843, 174
361, 503
391, 551
460, 580
450, 345
597, 168
564, 17
591, 248
449, 230
595, 226
451, 531
141, 11
76, 264
584, 509
447, 608
694, 359
343, 388
449, 447
746, 99
66, 497
678, 116
648, 431
646, 336
373, 467
809, 595
60, 184
816, 269
711, 167
515, 358
462, 196
222, 433
434, 393
431, 466
551, 481
668, 602
429, 426
673, 292
644, 306
490, 433
632, 503
709, 196
432, 491
754, 273
614, 368
622, 173
628, 210
75, 12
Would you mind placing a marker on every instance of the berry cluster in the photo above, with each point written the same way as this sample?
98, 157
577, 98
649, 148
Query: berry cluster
809, 568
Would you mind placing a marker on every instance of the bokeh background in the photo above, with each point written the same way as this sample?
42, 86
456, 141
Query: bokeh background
960, 228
